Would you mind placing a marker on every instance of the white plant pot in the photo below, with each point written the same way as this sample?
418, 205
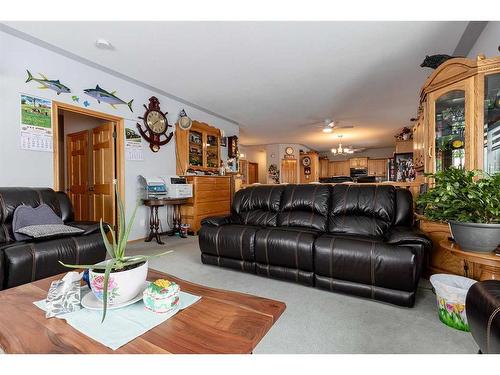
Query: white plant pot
122, 286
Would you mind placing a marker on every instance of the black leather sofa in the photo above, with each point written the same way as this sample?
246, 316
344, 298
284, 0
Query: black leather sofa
25, 261
482, 306
356, 239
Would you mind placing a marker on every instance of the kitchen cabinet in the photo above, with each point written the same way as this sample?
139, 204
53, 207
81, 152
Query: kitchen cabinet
377, 167
358, 163
404, 147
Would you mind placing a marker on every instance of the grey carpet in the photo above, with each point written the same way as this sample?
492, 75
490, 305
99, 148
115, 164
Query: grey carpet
317, 321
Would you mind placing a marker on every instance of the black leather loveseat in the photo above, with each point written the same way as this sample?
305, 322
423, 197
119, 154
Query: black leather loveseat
356, 239
25, 261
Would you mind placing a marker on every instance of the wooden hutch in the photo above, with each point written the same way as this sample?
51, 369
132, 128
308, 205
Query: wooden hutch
458, 124
198, 149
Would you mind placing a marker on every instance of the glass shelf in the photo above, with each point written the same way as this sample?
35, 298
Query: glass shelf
491, 143
450, 130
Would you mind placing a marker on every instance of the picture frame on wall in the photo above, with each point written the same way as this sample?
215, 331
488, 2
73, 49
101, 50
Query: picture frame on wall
403, 167
223, 141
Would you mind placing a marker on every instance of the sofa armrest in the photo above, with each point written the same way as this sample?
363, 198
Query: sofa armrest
89, 227
483, 315
218, 221
408, 236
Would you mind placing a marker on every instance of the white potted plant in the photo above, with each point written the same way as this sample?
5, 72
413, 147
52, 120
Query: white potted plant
120, 278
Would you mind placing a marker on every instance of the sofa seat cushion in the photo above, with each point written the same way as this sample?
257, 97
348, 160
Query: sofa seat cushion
285, 273
285, 247
231, 241
28, 261
369, 262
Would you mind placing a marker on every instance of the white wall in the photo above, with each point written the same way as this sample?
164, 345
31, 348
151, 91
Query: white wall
488, 41
33, 168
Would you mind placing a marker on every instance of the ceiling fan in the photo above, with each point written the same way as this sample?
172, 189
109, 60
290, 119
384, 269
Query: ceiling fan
328, 126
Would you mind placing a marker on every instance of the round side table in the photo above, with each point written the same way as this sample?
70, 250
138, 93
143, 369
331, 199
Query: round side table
489, 263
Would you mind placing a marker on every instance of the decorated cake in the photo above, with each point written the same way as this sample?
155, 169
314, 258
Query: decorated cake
161, 296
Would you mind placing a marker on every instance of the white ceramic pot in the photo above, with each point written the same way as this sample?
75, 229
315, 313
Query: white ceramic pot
122, 286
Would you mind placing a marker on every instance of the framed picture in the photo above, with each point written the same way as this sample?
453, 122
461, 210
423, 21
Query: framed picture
403, 167
223, 141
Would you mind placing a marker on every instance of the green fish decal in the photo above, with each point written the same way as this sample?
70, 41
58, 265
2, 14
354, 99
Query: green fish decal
107, 97
46, 83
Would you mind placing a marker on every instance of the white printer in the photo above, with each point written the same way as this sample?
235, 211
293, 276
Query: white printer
177, 187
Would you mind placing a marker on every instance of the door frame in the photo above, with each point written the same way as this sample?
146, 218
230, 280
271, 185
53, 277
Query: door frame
119, 144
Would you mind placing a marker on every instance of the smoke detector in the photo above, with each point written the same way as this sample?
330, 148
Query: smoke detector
103, 44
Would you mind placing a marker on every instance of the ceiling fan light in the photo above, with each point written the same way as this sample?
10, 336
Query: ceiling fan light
327, 129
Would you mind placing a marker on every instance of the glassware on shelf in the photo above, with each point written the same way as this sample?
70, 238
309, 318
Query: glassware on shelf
492, 124
450, 130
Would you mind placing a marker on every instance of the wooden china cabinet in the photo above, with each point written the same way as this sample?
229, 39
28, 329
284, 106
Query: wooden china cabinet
197, 148
458, 119
458, 124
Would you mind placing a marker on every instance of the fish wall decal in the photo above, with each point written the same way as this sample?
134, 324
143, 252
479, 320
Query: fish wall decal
107, 97
46, 83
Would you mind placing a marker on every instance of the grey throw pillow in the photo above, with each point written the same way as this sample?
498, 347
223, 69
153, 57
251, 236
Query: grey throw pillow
26, 215
48, 230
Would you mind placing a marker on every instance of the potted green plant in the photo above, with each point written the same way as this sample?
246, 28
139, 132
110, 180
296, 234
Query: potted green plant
470, 202
119, 278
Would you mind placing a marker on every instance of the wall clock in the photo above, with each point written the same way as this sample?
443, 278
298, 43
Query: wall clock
306, 161
289, 150
156, 125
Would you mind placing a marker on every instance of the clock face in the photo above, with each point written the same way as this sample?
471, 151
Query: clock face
156, 122
289, 151
306, 161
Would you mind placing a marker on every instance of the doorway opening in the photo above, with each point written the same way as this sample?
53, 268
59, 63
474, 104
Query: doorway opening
88, 158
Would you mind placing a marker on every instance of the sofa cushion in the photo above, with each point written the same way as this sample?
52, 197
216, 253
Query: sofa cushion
27, 216
12, 197
367, 210
285, 248
373, 263
232, 241
28, 261
258, 205
49, 230
305, 206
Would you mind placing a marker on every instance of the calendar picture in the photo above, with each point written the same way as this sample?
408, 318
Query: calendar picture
36, 123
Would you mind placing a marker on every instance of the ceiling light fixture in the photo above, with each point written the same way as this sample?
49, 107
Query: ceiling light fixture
341, 150
329, 124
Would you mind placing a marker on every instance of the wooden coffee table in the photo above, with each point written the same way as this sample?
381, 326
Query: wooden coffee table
220, 322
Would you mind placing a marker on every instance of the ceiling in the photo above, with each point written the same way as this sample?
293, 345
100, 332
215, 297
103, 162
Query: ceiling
274, 78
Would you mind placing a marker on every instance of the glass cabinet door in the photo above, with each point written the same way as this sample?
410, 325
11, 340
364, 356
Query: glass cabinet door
212, 151
195, 148
450, 130
492, 123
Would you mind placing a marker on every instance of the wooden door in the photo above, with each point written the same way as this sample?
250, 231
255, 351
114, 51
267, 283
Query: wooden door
253, 173
323, 168
102, 195
289, 171
77, 167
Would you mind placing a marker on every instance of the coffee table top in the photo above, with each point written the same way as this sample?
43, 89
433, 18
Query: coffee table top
220, 322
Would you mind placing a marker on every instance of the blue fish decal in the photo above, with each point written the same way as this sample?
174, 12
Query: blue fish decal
86, 103
75, 98
46, 83
107, 97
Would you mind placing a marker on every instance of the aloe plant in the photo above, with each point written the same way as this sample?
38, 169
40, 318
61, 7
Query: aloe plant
116, 250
